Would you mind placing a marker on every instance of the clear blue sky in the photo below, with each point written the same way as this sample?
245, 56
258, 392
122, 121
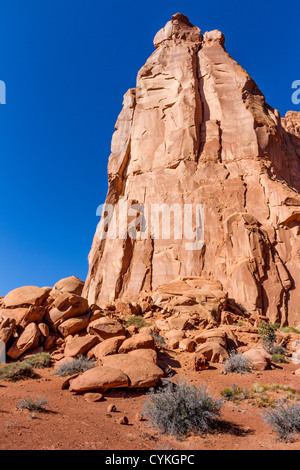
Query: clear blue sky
66, 65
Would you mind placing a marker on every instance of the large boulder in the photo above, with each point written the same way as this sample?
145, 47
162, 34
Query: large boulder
139, 367
72, 326
139, 341
70, 285
108, 347
79, 345
29, 339
26, 296
213, 351
99, 379
7, 328
106, 328
64, 307
259, 358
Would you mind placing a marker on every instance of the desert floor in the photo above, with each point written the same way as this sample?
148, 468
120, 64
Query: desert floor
72, 423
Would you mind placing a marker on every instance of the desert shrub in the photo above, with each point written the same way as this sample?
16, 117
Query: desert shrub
17, 371
186, 409
39, 361
137, 321
238, 364
231, 394
290, 329
76, 366
158, 339
284, 419
279, 359
276, 349
32, 405
268, 336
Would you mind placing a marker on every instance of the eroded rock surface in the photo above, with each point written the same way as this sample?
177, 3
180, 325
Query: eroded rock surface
197, 130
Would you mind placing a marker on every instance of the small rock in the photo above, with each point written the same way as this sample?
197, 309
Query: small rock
111, 408
124, 420
93, 397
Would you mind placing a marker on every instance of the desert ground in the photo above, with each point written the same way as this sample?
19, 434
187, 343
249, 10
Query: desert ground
71, 423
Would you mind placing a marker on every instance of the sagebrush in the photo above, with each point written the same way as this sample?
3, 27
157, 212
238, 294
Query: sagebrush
284, 419
76, 366
186, 409
237, 363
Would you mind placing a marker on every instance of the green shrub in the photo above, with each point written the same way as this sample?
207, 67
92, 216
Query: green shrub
231, 394
17, 371
39, 361
137, 321
186, 409
267, 332
290, 329
279, 359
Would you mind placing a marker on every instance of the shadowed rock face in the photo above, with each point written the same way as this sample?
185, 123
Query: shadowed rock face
197, 130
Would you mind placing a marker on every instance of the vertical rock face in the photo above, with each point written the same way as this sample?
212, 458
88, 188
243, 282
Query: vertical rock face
197, 130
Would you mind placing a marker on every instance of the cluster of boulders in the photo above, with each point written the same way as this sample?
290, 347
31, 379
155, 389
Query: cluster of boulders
185, 316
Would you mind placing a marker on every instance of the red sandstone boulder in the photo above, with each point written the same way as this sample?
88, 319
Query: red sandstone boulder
99, 379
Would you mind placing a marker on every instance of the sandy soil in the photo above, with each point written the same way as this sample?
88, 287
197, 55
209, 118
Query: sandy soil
72, 423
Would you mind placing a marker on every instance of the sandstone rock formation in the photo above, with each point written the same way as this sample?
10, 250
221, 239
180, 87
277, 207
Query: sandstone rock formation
197, 130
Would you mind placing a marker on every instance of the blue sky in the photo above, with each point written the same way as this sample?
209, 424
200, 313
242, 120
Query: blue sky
66, 65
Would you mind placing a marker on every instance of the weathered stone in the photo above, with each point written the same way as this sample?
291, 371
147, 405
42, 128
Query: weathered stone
66, 306
259, 358
71, 285
7, 328
26, 296
197, 129
79, 345
108, 347
72, 326
99, 379
213, 352
141, 371
29, 339
106, 328
140, 341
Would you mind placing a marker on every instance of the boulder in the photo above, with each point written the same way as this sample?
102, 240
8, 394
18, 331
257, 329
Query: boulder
139, 341
141, 371
66, 306
259, 358
108, 347
106, 328
70, 285
187, 344
29, 339
199, 362
213, 351
72, 326
79, 345
99, 379
44, 329
26, 296
7, 328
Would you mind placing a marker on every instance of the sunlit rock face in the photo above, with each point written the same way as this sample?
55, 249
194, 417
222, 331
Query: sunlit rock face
197, 130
